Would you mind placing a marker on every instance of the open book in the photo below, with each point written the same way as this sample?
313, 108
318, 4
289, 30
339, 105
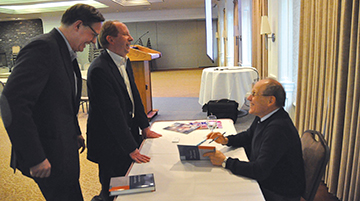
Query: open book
132, 184
193, 152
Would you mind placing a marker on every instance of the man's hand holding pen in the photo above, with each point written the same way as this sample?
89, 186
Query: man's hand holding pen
218, 137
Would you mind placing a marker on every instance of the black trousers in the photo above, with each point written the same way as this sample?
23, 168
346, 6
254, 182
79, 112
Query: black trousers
53, 190
112, 168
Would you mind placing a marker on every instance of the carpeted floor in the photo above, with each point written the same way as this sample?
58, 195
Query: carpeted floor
176, 83
13, 186
16, 187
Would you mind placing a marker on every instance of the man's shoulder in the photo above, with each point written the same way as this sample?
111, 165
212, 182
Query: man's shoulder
99, 63
280, 114
280, 118
103, 56
52, 36
48, 41
281, 123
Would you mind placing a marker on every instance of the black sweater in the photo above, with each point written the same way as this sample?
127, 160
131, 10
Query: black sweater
275, 156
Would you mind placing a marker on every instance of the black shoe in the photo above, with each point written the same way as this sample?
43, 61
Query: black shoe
97, 198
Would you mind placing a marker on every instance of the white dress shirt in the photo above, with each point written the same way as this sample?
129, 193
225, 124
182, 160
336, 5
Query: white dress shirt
121, 64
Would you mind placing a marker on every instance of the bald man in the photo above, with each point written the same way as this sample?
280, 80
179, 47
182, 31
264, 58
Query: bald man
272, 145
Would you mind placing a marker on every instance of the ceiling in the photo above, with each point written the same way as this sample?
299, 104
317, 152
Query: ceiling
112, 8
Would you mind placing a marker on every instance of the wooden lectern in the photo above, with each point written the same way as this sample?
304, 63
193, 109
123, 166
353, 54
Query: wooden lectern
140, 57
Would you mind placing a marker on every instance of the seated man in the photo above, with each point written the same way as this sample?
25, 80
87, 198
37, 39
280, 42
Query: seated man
272, 145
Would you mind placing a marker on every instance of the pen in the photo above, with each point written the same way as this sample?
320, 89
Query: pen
217, 137
201, 142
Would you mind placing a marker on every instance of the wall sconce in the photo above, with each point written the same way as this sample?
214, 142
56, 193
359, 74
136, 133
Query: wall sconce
265, 29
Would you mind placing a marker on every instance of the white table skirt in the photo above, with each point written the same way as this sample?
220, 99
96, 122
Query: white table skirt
190, 181
226, 82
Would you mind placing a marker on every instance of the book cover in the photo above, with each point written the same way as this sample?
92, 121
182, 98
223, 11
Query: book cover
193, 152
132, 184
182, 127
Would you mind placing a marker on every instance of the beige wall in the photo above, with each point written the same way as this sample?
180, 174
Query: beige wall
182, 42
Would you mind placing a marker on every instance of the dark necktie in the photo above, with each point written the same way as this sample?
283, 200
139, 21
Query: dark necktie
77, 77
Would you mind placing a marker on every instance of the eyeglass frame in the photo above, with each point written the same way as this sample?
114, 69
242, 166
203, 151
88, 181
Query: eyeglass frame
253, 94
94, 32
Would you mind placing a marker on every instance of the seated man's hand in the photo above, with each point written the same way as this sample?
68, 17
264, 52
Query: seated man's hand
41, 170
150, 134
138, 157
220, 138
216, 157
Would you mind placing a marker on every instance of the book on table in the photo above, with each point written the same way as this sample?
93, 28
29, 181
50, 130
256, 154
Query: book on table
132, 184
194, 152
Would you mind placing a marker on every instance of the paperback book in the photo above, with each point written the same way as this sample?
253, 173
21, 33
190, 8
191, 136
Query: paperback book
132, 184
193, 152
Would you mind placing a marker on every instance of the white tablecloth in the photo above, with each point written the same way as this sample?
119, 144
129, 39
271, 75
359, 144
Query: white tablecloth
190, 181
226, 82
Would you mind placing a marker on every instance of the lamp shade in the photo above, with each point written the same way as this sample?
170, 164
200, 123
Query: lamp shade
265, 26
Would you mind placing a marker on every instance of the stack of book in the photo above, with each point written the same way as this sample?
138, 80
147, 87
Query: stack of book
132, 184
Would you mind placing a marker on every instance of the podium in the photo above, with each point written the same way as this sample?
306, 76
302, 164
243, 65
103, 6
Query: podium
140, 58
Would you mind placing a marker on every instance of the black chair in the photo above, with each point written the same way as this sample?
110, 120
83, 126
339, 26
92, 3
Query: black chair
316, 155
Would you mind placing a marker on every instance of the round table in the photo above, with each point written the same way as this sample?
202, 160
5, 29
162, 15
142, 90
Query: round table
227, 82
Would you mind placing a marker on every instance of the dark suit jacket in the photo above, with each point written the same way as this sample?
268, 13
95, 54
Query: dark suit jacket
111, 130
275, 157
39, 107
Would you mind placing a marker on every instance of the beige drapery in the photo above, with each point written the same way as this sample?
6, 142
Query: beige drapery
259, 53
328, 93
236, 33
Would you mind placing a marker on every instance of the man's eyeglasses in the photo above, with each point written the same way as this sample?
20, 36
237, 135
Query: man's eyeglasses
255, 94
94, 32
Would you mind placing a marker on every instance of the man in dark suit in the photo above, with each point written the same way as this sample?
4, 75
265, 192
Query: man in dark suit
116, 112
40, 103
272, 145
